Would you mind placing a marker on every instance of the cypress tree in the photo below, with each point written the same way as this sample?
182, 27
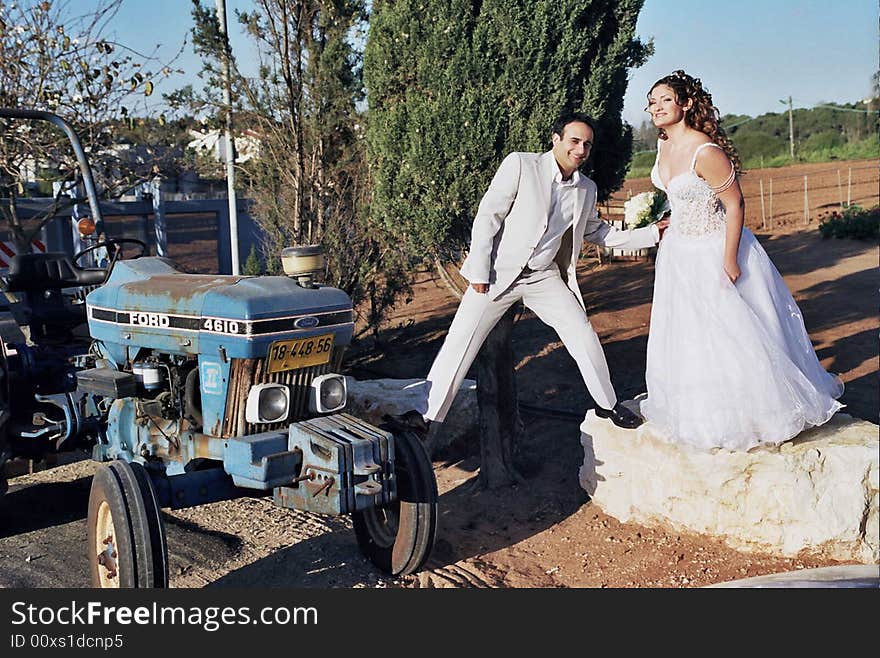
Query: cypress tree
454, 85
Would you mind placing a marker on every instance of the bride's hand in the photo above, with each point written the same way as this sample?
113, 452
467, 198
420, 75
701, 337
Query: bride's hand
732, 271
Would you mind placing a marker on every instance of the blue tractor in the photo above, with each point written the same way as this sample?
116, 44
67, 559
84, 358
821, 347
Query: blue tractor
195, 388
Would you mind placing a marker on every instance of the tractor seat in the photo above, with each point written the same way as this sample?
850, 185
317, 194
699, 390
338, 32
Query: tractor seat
49, 271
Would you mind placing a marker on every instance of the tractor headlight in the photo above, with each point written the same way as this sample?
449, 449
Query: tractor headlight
267, 403
328, 394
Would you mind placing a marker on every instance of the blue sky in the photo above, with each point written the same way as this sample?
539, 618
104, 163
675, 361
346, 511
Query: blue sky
749, 53
752, 53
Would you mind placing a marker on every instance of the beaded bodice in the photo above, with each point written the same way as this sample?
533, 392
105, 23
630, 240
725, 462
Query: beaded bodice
696, 210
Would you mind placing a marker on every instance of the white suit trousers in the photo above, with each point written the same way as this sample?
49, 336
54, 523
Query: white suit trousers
545, 293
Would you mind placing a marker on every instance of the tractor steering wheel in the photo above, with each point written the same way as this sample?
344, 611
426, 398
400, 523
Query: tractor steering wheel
110, 242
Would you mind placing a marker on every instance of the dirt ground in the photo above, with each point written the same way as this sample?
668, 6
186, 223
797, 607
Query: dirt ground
546, 533
543, 533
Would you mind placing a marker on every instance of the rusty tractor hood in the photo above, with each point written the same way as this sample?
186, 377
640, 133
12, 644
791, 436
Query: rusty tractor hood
148, 303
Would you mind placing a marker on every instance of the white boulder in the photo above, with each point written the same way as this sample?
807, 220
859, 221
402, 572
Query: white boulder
818, 492
371, 399
843, 576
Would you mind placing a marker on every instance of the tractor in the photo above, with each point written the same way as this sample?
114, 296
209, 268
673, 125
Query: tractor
196, 388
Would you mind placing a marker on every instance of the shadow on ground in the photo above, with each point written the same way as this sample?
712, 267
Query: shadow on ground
44, 505
805, 251
472, 521
43, 537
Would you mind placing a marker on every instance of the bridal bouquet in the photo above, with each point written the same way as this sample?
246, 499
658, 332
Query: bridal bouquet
645, 208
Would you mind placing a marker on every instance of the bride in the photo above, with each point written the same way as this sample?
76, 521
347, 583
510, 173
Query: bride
729, 361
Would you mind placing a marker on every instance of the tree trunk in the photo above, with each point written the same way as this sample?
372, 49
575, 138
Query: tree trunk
500, 423
451, 284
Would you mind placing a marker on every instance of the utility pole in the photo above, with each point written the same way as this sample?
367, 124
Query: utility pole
230, 153
790, 129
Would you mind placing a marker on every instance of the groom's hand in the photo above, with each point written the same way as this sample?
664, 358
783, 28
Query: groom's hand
662, 225
481, 288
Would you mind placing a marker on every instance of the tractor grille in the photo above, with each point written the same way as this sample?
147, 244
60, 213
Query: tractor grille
245, 373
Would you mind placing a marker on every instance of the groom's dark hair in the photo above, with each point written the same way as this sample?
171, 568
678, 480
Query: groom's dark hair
572, 117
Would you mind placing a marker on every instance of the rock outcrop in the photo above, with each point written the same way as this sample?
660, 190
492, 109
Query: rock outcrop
372, 399
816, 493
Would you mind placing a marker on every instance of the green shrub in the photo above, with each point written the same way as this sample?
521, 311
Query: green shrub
253, 266
854, 222
868, 148
641, 164
757, 151
826, 139
758, 145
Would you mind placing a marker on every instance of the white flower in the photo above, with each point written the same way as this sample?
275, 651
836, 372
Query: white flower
636, 206
645, 208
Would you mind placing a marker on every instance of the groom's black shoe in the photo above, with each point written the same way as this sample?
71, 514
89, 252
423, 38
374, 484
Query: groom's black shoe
411, 420
620, 416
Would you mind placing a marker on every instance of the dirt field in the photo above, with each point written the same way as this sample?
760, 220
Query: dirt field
544, 533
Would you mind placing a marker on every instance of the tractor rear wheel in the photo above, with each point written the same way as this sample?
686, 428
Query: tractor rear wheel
398, 537
126, 535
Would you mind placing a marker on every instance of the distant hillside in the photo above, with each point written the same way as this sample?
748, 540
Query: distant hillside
831, 131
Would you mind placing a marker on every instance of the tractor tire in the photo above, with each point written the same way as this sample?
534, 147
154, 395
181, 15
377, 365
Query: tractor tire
126, 535
5, 406
398, 537
5, 415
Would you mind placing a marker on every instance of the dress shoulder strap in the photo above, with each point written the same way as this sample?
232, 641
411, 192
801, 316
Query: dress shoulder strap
700, 148
730, 179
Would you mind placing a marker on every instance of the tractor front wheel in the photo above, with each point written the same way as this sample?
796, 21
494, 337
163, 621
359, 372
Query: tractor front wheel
126, 535
398, 537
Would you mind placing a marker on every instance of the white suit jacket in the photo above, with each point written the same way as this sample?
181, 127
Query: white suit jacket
513, 216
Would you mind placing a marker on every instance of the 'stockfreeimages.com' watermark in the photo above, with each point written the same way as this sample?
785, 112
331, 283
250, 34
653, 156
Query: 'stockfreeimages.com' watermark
100, 614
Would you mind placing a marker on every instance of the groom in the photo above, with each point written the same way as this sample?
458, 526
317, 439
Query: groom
525, 243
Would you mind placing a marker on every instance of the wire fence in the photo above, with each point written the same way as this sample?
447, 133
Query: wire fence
781, 197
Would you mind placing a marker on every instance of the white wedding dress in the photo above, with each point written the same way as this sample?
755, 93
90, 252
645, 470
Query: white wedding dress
728, 366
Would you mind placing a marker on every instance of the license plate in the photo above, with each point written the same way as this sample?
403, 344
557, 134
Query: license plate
299, 353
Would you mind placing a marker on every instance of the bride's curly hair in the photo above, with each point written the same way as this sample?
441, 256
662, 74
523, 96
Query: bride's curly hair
702, 115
